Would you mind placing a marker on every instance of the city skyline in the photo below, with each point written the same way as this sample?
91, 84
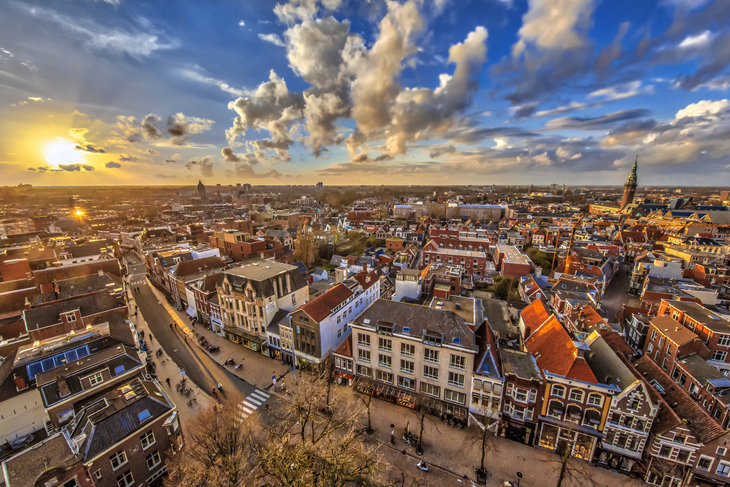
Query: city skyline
505, 92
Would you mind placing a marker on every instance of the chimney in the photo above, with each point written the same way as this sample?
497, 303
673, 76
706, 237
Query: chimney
19, 383
365, 267
101, 272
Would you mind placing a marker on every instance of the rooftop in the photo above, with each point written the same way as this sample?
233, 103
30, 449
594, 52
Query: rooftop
521, 364
673, 330
467, 308
260, 271
709, 318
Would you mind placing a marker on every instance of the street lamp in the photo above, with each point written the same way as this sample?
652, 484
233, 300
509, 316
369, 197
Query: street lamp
519, 476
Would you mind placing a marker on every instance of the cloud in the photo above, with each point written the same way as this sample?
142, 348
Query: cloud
439, 151
703, 108
173, 159
90, 148
302, 10
228, 154
241, 23
112, 165
273, 39
128, 158
98, 37
180, 127
555, 25
204, 163
595, 123
151, 152
363, 158
35, 98
622, 91
74, 167
216, 82
149, 126
163, 176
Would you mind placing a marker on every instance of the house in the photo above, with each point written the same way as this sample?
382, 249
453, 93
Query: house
414, 356
474, 263
632, 410
251, 295
669, 340
512, 263
521, 396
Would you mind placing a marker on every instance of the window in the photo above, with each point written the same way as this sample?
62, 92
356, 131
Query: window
576, 395
634, 405
97, 474
118, 459
457, 362
430, 355
430, 373
407, 366
681, 439
384, 376
649, 348
96, 379
364, 371
723, 469
456, 379
719, 356
70, 317
363, 340
293, 299
385, 344
363, 355
682, 455
71, 483
385, 360
454, 396
595, 399
434, 391
705, 463
653, 335
407, 349
665, 451
144, 415
557, 391
126, 479
147, 440
153, 459
721, 451
406, 383
724, 340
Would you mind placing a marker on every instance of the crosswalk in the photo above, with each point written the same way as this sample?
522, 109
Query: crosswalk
139, 281
251, 403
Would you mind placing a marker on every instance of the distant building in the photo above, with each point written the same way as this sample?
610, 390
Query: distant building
630, 186
201, 190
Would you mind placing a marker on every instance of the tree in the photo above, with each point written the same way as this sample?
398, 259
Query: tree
369, 430
304, 244
486, 439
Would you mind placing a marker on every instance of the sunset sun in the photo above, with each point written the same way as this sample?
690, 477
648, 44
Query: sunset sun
62, 151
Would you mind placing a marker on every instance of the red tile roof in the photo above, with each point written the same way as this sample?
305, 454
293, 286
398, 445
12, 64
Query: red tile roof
345, 348
534, 315
321, 307
366, 280
555, 352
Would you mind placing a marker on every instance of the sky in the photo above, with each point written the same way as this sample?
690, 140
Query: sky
351, 92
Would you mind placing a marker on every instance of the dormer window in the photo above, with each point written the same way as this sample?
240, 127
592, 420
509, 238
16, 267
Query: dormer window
70, 317
385, 328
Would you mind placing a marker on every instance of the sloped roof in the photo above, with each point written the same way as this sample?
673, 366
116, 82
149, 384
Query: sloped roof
555, 352
190, 267
345, 348
49, 315
673, 330
321, 307
534, 315
699, 422
366, 280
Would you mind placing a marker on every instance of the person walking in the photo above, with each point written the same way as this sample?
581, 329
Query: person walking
168, 381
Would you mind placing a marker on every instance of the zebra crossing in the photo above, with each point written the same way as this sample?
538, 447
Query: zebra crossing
251, 403
140, 281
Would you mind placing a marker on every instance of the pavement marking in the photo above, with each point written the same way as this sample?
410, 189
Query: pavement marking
250, 405
261, 393
258, 403
246, 409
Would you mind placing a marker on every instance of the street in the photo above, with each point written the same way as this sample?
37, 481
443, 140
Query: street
617, 293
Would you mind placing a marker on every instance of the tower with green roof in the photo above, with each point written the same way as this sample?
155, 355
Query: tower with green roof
630, 186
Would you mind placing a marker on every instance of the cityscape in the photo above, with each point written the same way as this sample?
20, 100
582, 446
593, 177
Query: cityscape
404, 243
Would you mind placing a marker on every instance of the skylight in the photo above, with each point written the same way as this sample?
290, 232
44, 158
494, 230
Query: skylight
143, 415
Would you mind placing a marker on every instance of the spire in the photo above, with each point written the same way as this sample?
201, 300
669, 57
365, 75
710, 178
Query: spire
632, 177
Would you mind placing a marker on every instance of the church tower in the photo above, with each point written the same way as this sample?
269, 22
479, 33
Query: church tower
630, 186
201, 190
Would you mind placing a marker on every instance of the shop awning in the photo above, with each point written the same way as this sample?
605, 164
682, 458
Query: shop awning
233, 330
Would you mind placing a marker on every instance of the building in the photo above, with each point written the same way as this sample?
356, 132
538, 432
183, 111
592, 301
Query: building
251, 295
408, 284
512, 263
474, 263
201, 191
522, 396
630, 186
414, 356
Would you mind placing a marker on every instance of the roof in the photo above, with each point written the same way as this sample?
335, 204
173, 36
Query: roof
49, 314
419, 320
673, 330
707, 317
366, 280
498, 315
534, 315
191, 267
521, 364
107, 423
345, 348
25, 467
45, 276
606, 365
702, 371
261, 271
322, 306
556, 353
699, 422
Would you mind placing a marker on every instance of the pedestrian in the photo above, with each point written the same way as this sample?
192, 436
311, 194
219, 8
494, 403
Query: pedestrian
168, 381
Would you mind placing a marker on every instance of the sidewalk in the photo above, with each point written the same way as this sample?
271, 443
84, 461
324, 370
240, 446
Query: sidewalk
459, 451
165, 368
257, 369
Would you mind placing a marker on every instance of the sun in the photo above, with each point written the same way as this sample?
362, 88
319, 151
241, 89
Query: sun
62, 151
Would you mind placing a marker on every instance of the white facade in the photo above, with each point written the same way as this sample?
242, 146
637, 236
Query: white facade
407, 286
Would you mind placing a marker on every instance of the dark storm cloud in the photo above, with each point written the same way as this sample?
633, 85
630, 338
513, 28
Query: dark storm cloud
596, 123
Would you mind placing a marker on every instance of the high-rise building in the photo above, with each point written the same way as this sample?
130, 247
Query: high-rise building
630, 186
201, 190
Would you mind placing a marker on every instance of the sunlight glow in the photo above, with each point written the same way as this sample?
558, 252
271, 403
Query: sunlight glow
62, 152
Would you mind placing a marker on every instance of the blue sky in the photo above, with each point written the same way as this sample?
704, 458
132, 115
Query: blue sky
356, 92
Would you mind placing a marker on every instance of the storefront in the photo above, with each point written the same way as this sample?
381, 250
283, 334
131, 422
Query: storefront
559, 437
387, 392
255, 343
446, 410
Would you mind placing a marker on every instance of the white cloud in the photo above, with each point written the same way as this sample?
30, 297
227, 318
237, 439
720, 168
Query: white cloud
272, 38
216, 82
703, 108
622, 91
241, 23
698, 41
555, 24
102, 38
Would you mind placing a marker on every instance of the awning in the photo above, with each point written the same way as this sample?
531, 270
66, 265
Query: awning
191, 311
234, 330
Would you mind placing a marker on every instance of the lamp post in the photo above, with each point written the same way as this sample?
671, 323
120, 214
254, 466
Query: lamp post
519, 476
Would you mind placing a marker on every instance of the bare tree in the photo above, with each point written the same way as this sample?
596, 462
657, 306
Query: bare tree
304, 244
369, 430
486, 439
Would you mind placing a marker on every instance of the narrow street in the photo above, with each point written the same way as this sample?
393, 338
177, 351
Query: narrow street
617, 293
